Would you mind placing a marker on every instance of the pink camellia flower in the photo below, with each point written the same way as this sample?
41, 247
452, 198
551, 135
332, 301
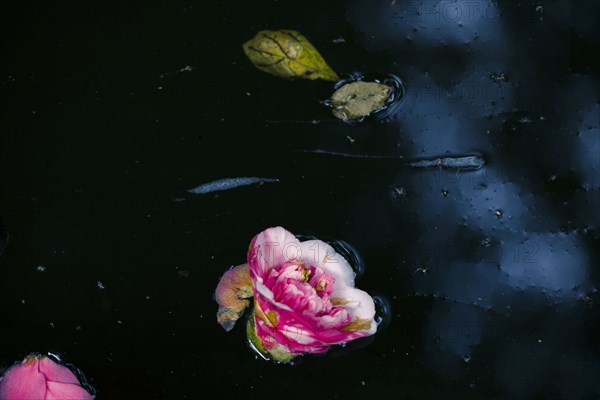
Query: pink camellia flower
304, 296
40, 378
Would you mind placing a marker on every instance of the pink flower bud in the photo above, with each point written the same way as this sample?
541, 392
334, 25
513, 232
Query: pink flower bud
39, 378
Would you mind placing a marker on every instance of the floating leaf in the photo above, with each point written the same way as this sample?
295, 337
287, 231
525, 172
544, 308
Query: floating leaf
359, 99
275, 353
287, 54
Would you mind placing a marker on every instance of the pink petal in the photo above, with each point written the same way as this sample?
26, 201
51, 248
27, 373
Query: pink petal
66, 391
55, 372
40, 378
23, 382
360, 304
321, 255
335, 320
271, 247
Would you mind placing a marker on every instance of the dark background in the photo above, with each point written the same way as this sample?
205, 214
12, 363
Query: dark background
112, 264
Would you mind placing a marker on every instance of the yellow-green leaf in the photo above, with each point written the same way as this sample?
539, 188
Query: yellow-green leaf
287, 54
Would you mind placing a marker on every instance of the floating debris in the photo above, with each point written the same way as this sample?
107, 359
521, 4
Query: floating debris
295, 121
498, 77
348, 155
229, 183
183, 273
456, 162
473, 162
400, 192
186, 68
359, 99
355, 98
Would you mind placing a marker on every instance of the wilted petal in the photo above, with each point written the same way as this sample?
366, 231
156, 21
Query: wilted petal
232, 294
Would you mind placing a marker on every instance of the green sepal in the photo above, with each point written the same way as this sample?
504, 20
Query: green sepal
275, 353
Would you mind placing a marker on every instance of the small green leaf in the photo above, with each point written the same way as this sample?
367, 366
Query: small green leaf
287, 54
275, 353
359, 99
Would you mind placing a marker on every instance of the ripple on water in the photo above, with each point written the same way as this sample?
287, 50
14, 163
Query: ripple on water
350, 254
383, 312
343, 248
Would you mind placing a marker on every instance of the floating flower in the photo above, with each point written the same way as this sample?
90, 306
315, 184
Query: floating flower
39, 378
304, 297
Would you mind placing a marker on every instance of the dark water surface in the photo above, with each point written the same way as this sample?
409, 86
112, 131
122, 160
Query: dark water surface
111, 112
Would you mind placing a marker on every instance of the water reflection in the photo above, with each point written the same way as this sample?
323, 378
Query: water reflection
506, 252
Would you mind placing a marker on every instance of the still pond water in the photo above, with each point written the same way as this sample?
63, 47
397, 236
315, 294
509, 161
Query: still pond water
488, 276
